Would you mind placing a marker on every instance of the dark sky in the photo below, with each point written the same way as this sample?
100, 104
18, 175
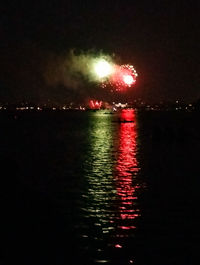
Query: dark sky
161, 38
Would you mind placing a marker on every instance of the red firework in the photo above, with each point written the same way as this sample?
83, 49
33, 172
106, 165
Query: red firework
95, 104
123, 77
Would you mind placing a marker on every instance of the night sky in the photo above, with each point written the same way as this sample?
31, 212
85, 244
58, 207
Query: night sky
160, 38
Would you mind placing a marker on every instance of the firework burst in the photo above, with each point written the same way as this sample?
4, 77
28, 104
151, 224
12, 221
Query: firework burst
123, 77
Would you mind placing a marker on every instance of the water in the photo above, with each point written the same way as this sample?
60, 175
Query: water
92, 188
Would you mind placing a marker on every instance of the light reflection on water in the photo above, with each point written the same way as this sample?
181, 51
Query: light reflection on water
99, 173
126, 170
111, 169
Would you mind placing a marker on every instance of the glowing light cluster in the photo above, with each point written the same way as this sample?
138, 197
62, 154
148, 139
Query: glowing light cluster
95, 104
102, 68
118, 77
128, 79
123, 77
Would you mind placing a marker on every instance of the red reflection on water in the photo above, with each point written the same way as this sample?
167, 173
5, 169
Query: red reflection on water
118, 246
127, 115
127, 227
126, 168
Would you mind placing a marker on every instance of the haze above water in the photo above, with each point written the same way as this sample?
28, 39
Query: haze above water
95, 187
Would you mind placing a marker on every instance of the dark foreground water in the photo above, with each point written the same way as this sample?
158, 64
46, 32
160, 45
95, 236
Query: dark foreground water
84, 188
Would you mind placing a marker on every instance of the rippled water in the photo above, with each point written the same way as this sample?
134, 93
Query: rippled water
111, 170
97, 187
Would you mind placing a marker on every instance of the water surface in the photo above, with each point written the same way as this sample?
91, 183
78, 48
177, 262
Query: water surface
96, 187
